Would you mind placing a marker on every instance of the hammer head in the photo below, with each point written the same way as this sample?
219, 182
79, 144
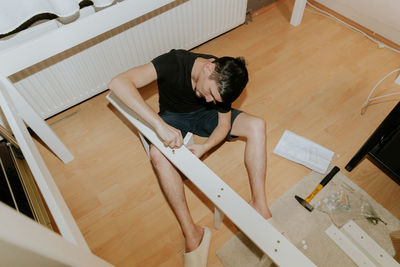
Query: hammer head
304, 203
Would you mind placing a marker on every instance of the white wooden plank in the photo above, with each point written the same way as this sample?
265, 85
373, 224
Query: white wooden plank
26, 112
298, 11
366, 244
259, 230
24, 55
23, 242
348, 247
43, 178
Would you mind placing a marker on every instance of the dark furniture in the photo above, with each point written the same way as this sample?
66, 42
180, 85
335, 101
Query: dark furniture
383, 146
18, 188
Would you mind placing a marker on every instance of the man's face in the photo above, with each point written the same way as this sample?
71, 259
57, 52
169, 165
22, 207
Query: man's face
207, 88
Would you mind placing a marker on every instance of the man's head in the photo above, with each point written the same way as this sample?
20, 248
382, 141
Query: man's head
231, 76
223, 80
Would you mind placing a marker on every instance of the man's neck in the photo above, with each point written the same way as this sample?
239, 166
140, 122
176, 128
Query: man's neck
197, 69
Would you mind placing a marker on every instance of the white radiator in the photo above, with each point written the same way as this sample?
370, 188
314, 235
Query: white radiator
84, 71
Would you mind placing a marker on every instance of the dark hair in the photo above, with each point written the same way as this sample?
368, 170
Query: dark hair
231, 77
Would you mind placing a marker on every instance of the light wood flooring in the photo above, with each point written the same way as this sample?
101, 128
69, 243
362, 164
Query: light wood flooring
310, 79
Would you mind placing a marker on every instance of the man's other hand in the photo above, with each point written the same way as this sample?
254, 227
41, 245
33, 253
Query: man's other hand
197, 149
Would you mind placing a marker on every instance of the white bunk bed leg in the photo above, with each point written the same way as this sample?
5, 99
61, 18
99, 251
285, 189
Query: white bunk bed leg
218, 217
397, 80
37, 124
298, 11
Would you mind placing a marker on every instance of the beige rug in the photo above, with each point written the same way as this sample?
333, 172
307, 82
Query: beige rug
307, 230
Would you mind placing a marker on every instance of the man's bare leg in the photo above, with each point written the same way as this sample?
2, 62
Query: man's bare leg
172, 186
254, 130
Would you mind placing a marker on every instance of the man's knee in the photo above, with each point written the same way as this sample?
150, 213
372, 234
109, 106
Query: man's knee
156, 157
258, 127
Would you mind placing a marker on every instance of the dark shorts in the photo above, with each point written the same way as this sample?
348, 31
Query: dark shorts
201, 122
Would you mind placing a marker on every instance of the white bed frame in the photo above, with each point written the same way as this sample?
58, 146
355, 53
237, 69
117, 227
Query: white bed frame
43, 247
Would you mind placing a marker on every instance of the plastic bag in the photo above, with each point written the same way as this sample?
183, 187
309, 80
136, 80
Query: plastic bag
345, 205
337, 206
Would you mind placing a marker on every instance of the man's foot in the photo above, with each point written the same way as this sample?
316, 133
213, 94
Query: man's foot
198, 256
262, 209
192, 242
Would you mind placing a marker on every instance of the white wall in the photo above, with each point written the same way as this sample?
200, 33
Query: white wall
379, 16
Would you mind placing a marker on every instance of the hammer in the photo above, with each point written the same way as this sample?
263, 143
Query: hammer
306, 203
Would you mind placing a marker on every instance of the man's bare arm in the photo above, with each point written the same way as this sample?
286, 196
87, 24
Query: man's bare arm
125, 86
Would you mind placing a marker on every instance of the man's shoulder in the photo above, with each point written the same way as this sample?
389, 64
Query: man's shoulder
169, 56
166, 64
182, 53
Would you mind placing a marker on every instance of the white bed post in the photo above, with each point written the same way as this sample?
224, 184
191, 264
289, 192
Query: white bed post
298, 11
398, 80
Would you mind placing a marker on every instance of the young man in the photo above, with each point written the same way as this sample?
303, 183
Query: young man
195, 95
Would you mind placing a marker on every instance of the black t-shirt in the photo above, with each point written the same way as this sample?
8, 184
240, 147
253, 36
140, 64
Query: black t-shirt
174, 81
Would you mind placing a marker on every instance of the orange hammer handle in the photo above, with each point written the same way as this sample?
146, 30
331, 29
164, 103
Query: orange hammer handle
312, 195
324, 181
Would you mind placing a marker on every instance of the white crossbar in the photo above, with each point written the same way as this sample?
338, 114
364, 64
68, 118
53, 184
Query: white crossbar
259, 230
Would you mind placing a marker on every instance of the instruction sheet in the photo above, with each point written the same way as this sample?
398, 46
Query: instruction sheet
303, 151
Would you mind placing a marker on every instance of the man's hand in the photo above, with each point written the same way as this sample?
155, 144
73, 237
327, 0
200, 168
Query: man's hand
170, 136
198, 149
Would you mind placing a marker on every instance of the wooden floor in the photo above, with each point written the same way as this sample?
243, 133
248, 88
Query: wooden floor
310, 79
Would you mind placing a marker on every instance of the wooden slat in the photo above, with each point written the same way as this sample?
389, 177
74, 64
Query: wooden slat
362, 240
